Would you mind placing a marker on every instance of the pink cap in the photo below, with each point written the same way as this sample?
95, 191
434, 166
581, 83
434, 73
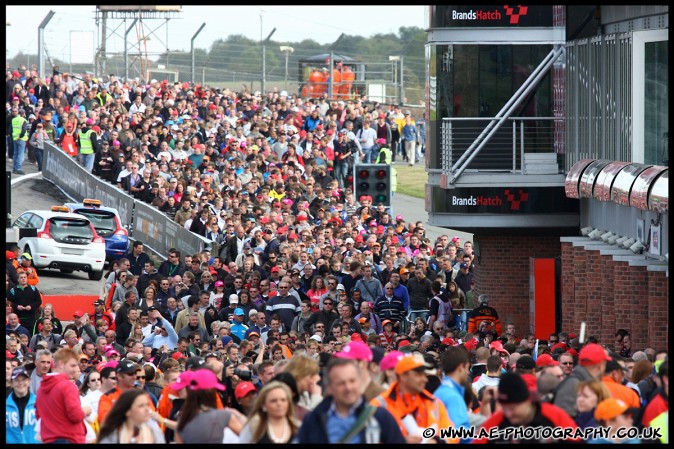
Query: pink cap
355, 350
390, 360
201, 379
287, 201
116, 143
219, 283
399, 217
89, 121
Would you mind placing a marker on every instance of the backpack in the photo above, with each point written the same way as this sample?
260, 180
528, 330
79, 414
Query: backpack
445, 314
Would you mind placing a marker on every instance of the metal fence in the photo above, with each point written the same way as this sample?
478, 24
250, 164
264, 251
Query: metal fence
147, 224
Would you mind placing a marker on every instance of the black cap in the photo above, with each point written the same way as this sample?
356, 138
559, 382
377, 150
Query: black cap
525, 362
126, 367
151, 308
194, 362
99, 302
377, 354
512, 389
612, 365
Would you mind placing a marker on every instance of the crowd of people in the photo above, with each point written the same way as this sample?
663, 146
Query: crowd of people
313, 317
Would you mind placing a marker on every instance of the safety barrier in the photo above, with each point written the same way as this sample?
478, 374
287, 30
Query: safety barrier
146, 223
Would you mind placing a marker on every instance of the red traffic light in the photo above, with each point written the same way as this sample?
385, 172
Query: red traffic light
381, 174
364, 174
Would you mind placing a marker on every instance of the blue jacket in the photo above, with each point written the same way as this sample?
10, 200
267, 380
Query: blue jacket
14, 433
451, 394
381, 428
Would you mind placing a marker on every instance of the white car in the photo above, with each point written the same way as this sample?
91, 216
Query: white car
63, 240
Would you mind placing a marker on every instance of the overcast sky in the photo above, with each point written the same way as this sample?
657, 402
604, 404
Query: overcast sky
323, 24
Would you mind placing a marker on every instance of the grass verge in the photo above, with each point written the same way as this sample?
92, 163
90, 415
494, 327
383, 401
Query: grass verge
412, 180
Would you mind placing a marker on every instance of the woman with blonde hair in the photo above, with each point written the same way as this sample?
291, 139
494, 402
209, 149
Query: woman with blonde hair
272, 419
589, 393
47, 311
306, 371
149, 298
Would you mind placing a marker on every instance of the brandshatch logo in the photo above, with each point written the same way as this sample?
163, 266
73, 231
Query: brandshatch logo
513, 12
515, 16
515, 203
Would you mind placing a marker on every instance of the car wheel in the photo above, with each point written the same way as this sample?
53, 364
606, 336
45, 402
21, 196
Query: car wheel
95, 275
66, 270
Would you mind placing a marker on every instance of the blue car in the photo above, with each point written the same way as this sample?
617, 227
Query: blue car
108, 225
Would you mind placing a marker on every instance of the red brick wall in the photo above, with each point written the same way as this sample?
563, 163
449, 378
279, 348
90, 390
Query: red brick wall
609, 295
503, 274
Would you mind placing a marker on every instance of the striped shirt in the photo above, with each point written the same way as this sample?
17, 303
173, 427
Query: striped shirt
288, 307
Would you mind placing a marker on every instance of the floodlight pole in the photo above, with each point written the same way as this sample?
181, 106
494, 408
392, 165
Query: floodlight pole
40, 43
126, 50
264, 60
192, 47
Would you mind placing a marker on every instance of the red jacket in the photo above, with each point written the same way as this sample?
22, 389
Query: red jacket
58, 405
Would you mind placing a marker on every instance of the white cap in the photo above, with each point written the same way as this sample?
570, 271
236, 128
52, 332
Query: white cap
349, 240
283, 93
341, 287
234, 298
316, 337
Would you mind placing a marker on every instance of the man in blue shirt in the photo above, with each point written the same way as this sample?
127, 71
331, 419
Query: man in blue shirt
456, 367
238, 328
334, 420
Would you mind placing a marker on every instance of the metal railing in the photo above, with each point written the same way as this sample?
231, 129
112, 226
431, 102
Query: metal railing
504, 151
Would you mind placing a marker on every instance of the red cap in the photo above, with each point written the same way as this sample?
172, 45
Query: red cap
178, 355
96, 128
471, 344
275, 269
573, 352
329, 132
10, 255
546, 360
264, 220
359, 238
78, 314
592, 354
380, 229
557, 346
449, 342
243, 389
531, 381
382, 115
293, 236
356, 337
404, 343
572, 336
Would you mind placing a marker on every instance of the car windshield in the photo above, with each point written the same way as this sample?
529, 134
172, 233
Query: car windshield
103, 221
69, 228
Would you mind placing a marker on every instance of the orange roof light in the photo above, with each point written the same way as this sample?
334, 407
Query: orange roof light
91, 202
59, 209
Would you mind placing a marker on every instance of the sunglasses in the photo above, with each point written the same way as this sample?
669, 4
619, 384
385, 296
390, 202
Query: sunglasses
140, 377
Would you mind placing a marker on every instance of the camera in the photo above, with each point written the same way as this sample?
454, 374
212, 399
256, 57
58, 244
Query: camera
244, 375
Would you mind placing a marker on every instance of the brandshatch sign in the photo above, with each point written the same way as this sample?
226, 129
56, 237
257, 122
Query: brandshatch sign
508, 200
509, 16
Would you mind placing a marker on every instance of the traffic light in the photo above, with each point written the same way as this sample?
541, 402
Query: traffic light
373, 180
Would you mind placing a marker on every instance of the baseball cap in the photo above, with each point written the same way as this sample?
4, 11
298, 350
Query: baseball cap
471, 344
275, 269
89, 121
253, 334
234, 298
525, 362
355, 350
613, 365
341, 287
99, 302
607, 409
151, 308
226, 339
404, 343
349, 240
412, 362
243, 389
194, 362
202, 379
239, 312
178, 355
390, 360
316, 338
356, 337
19, 371
404, 270
219, 283
26, 256
9, 255
547, 360
512, 389
78, 314
449, 342
399, 217
126, 367
362, 320
592, 354
385, 322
